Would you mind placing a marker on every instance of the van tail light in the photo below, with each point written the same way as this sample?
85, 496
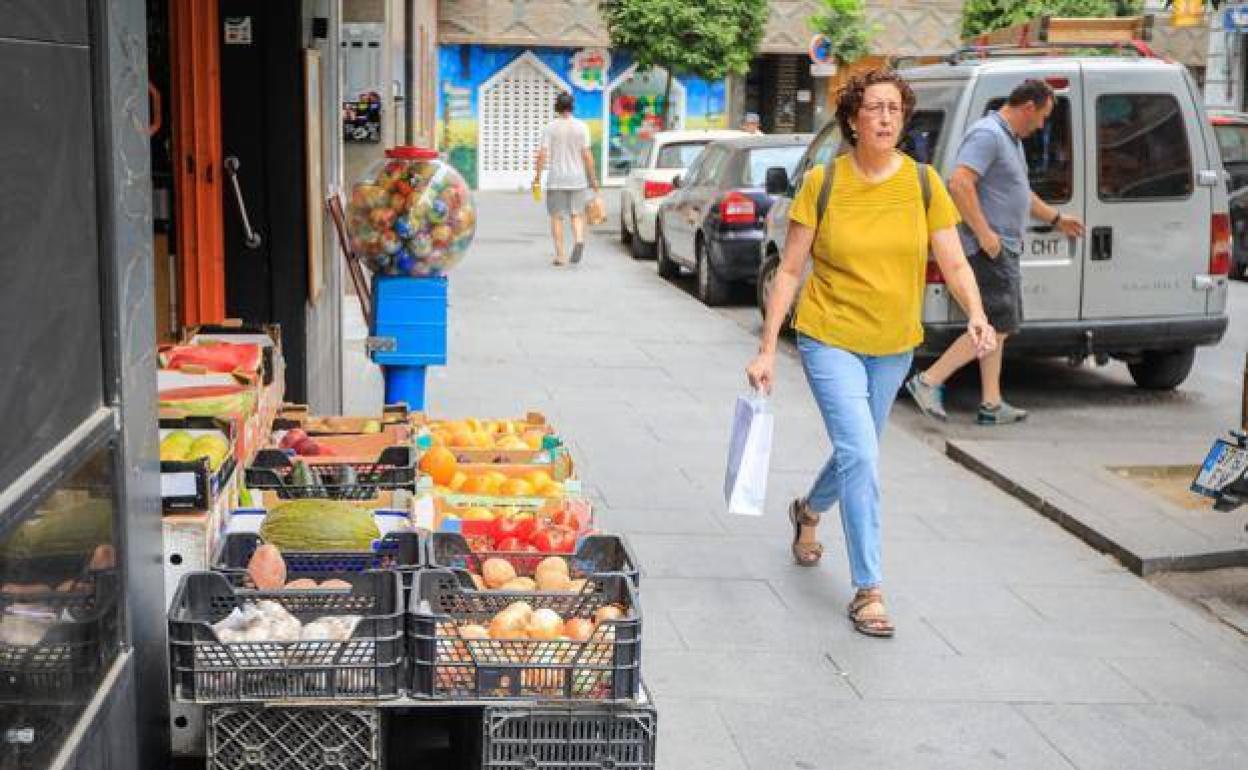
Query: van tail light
656, 189
933, 272
737, 209
1220, 245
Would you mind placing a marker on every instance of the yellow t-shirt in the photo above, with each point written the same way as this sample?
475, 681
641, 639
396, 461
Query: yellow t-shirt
865, 293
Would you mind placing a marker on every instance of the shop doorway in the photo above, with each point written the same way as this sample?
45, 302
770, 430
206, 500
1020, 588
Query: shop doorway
515, 106
634, 113
780, 88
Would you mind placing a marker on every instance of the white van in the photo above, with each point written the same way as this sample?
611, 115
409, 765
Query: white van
1130, 151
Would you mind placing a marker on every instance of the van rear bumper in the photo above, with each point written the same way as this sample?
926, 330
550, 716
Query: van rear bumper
1116, 337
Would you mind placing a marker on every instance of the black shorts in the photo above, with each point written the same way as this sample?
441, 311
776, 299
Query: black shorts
1000, 288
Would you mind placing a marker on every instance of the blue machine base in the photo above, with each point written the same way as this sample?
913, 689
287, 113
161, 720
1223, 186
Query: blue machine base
405, 384
409, 317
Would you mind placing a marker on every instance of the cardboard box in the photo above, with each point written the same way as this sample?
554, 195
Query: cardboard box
191, 485
429, 509
423, 424
191, 539
297, 416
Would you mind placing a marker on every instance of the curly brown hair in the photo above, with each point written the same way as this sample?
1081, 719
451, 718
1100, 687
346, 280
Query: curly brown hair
849, 98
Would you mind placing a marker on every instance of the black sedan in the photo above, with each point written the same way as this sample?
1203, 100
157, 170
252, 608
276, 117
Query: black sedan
712, 223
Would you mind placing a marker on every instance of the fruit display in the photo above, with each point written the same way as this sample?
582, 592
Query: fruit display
298, 441
210, 400
411, 214
520, 620
70, 523
518, 530
213, 356
472, 433
450, 476
551, 574
181, 446
319, 525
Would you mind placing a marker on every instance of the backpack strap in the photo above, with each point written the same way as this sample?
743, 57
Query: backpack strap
825, 190
925, 184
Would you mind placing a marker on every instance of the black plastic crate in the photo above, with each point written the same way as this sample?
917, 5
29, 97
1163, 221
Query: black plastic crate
577, 736
395, 468
65, 664
258, 738
402, 551
596, 555
447, 666
369, 665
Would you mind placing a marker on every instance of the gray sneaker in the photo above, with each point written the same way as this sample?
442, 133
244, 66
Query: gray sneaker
929, 398
1001, 414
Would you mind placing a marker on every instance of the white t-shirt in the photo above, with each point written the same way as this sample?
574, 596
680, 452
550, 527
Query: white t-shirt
563, 141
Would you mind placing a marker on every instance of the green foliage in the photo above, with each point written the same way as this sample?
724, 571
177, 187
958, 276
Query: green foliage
709, 39
980, 16
844, 24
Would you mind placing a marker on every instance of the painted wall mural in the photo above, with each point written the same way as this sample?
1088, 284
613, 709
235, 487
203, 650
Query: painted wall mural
622, 110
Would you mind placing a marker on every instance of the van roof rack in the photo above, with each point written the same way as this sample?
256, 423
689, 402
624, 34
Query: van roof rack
1138, 48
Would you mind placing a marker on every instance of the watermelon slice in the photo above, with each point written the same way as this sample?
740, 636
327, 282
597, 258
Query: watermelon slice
222, 357
210, 400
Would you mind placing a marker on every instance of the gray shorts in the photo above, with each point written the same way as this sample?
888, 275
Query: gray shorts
1001, 288
567, 202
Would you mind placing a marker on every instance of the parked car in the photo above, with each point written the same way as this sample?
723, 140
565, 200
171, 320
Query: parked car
650, 180
1231, 128
1128, 149
713, 222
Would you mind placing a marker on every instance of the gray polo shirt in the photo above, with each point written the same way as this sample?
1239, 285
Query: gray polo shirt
992, 150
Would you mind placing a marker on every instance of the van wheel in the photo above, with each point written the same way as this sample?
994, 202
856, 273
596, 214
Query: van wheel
667, 268
1162, 369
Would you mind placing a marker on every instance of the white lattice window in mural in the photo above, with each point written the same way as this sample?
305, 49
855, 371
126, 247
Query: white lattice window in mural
514, 109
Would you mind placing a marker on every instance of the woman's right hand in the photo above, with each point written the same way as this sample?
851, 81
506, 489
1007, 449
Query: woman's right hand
761, 371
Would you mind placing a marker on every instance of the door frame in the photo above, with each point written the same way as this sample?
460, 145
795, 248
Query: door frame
604, 171
507, 180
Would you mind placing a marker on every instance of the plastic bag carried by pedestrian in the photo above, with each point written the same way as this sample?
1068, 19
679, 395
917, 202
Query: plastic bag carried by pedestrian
596, 210
749, 455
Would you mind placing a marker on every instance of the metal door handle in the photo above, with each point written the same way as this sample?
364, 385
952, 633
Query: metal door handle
251, 237
1102, 243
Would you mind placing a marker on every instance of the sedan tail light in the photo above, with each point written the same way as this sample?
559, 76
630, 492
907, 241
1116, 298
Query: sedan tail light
933, 272
738, 209
656, 189
1220, 244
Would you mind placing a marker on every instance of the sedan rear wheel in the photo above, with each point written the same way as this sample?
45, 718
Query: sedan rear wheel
712, 289
666, 267
640, 249
626, 237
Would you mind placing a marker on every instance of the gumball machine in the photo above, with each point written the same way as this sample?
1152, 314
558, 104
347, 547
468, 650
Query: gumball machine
411, 220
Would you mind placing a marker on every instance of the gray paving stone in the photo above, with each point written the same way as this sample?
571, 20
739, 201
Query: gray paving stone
1210, 685
648, 520
984, 678
1147, 638
1148, 737
693, 736
888, 736
725, 597
1094, 604
763, 676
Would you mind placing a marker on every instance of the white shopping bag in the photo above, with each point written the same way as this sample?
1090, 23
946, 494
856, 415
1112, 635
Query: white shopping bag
749, 455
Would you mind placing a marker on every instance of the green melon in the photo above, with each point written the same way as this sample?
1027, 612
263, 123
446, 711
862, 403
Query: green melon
319, 525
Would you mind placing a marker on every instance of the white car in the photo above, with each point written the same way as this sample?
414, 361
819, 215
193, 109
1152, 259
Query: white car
660, 161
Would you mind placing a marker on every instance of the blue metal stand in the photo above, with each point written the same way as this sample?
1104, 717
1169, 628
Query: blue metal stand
408, 334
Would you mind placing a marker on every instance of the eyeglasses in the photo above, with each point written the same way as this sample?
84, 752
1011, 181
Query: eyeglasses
878, 108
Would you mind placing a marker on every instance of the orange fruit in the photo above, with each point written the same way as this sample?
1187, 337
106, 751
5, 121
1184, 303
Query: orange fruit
482, 440
475, 485
515, 488
458, 480
538, 479
553, 489
439, 463
461, 439
533, 437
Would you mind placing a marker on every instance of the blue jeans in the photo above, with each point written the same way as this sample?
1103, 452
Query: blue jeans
855, 393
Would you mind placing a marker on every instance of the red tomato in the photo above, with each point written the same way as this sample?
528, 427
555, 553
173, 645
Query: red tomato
514, 545
518, 525
564, 518
555, 539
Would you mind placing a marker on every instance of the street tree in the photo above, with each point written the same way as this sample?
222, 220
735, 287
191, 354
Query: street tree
844, 24
710, 39
979, 16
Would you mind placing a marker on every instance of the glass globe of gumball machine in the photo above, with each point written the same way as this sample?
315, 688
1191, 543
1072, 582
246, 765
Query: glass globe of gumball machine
411, 219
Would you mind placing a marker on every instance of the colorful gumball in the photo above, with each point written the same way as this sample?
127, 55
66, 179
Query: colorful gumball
403, 228
441, 235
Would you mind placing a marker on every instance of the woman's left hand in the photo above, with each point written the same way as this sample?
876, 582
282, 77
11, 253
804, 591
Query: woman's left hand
982, 334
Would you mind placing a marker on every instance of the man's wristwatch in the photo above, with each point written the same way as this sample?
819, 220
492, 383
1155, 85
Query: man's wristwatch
1056, 218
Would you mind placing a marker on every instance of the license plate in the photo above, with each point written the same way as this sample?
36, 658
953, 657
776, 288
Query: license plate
1224, 464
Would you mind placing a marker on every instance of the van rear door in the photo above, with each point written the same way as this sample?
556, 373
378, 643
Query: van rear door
1052, 263
1148, 221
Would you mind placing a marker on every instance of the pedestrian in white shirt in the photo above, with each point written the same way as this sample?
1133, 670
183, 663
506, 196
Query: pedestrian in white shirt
565, 152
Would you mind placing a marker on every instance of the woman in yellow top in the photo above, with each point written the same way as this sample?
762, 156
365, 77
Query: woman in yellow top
859, 316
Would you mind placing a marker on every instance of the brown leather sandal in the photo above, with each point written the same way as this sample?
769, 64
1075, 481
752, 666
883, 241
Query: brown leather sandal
805, 554
869, 616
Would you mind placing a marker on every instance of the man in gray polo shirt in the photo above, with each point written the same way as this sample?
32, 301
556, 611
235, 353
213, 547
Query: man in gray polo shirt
994, 197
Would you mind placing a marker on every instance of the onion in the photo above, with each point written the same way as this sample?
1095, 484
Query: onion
578, 629
545, 624
524, 608
552, 564
608, 612
519, 584
508, 624
334, 583
495, 572
474, 631
577, 585
300, 584
477, 581
551, 580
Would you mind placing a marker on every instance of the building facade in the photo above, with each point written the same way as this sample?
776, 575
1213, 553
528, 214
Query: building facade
501, 62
